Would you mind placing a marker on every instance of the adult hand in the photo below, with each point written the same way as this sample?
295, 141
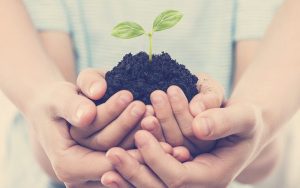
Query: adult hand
52, 111
242, 135
54, 108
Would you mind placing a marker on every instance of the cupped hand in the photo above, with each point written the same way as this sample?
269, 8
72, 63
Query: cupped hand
174, 114
53, 110
115, 119
242, 134
58, 105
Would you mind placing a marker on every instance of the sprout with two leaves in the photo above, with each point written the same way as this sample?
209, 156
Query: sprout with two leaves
165, 20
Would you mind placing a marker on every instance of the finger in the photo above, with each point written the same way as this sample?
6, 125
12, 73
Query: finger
180, 107
149, 111
74, 108
128, 141
106, 113
130, 169
181, 153
164, 165
219, 168
92, 83
211, 95
92, 165
164, 114
184, 119
152, 125
112, 179
166, 147
115, 132
89, 184
218, 123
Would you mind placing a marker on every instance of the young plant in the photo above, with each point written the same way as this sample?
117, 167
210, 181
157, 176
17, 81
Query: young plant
128, 30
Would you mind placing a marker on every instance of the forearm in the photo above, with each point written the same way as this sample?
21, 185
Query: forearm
263, 164
25, 67
58, 47
274, 75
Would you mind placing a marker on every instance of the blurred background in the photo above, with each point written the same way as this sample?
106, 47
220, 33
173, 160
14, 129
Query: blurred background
285, 175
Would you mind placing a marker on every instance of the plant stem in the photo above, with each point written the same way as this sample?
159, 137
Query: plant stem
150, 46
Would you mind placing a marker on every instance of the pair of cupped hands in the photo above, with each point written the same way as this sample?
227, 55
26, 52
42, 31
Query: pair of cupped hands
125, 143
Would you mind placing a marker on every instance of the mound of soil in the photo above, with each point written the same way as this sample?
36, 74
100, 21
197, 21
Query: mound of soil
135, 74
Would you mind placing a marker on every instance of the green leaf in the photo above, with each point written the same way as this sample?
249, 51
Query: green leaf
127, 30
166, 20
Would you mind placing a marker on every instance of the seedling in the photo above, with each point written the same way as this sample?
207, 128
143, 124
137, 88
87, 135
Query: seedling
136, 74
128, 30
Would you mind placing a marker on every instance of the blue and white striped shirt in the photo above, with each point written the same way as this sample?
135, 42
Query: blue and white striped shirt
203, 40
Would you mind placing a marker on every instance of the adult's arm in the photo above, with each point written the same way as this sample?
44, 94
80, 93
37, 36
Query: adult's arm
272, 82
25, 67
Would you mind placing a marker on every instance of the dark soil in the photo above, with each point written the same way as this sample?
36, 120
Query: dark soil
141, 78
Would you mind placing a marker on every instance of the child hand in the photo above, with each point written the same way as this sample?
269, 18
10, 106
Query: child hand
174, 115
115, 120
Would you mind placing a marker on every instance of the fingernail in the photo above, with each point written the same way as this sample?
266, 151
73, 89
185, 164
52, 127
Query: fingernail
95, 89
204, 125
158, 100
141, 140
149, 110
124, 99
113, 185
174, 93
136, 111
82, 110
113, 158
150, 126
109, 182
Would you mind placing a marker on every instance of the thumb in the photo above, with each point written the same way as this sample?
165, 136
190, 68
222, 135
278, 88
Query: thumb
92, 83
212, 95
74, 108
222, 122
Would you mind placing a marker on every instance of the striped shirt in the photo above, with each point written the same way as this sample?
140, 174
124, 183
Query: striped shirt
204, 41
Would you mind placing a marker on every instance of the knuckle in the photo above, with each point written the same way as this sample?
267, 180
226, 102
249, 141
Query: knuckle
134, 174
111, 110
163, 119
179, 109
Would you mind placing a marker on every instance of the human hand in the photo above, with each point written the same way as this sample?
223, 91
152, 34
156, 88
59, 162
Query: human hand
73, 164
174, 115
242, 135
115, 119
53, 109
